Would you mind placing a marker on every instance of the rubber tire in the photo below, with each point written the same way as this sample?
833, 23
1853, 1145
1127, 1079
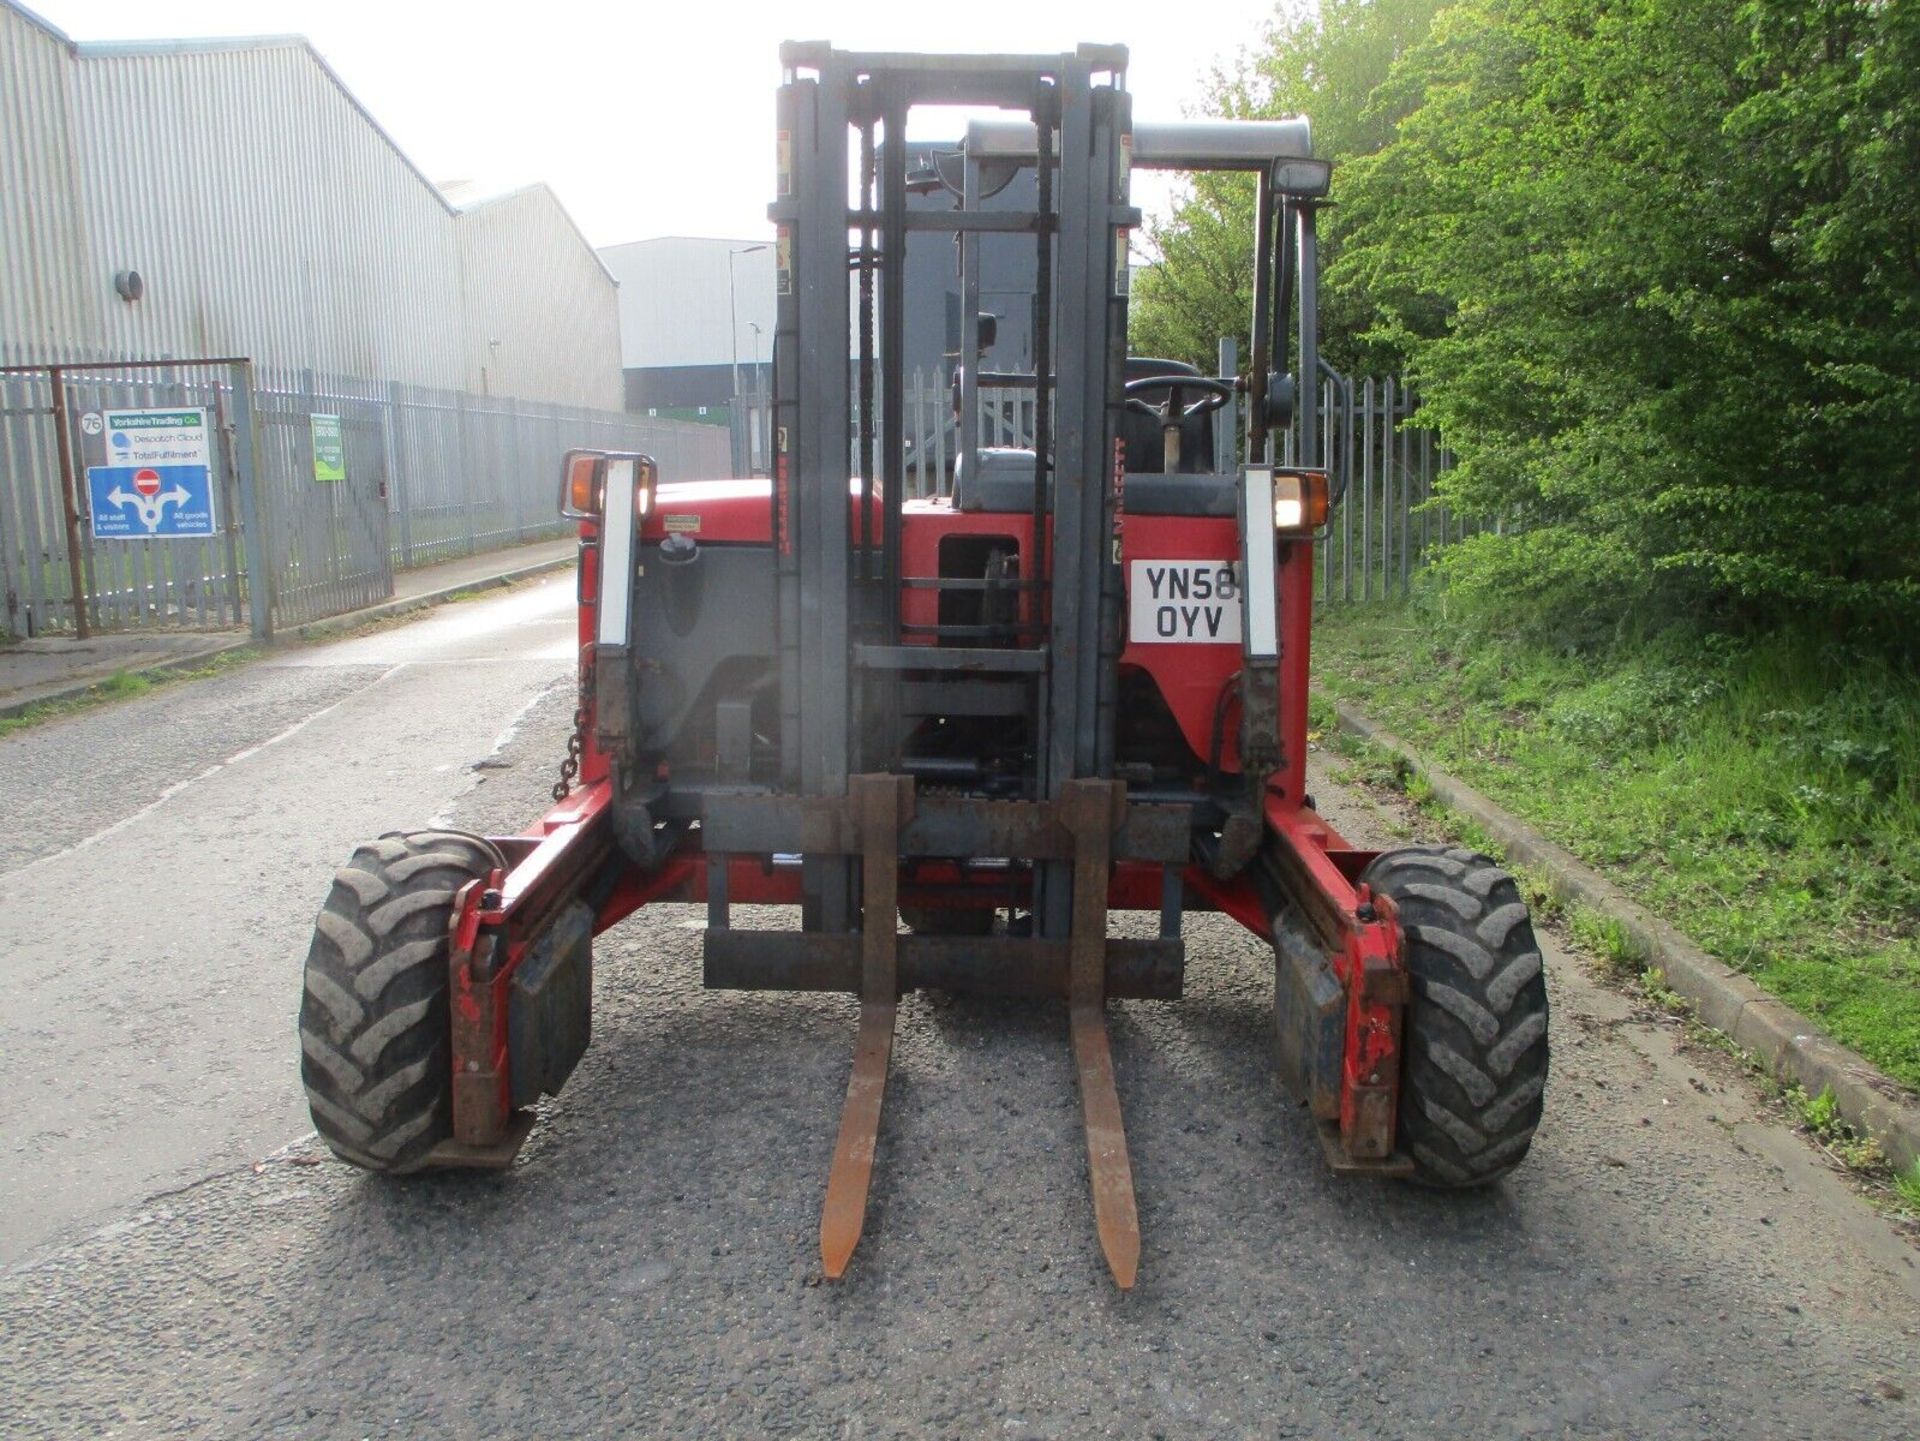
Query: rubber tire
1475, 1037
947, 920
374, 1023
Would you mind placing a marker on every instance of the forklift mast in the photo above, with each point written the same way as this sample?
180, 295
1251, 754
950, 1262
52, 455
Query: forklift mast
839, 471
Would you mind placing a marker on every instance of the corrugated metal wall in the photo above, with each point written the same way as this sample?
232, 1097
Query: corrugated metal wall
270, 217
42, 241
514, 309
266, 216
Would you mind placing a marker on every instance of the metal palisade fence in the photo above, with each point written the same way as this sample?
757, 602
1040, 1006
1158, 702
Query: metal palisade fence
1387, 516
1382, 468
321, 484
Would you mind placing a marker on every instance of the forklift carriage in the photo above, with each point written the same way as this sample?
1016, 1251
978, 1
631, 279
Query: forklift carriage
1078, 684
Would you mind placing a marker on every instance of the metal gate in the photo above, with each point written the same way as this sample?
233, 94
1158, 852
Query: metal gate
61, 571
327, 545
411, 476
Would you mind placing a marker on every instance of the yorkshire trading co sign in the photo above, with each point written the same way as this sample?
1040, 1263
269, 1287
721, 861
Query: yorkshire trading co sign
157, 483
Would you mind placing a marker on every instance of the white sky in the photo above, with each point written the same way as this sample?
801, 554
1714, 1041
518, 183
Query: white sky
654, 117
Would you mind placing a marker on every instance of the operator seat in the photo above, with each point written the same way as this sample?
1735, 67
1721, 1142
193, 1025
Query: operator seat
998, 480
1002, 484
1146, 446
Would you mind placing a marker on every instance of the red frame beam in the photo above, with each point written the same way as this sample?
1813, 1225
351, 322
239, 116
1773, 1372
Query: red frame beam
494, 926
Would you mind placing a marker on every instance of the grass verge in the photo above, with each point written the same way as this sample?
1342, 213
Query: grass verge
123, 685
1615, 955
1764, 798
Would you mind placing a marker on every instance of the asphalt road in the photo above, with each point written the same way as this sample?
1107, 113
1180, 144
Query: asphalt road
159, 872
1669, 1263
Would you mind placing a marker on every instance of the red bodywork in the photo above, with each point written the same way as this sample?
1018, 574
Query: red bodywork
552, 862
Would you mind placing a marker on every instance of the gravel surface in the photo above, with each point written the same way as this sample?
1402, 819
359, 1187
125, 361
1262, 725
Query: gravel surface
1669, 1263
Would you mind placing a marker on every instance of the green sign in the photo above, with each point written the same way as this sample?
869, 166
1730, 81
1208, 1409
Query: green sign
329, 448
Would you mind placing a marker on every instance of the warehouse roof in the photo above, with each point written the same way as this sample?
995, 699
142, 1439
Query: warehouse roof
116, 49
528, 191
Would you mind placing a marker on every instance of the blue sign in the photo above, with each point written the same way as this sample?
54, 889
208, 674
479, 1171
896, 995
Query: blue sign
141, 502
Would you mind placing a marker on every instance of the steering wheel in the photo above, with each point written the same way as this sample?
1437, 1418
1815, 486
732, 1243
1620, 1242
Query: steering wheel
1214, 393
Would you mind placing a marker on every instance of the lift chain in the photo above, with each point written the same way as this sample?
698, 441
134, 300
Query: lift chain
576, 742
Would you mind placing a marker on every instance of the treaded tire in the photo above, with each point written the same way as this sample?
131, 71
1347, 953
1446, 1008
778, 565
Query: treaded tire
1475, 1038
374, 1024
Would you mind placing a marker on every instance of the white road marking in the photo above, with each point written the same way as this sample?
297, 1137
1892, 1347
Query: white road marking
179, 787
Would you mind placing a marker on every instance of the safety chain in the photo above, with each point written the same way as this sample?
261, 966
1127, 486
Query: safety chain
577, 742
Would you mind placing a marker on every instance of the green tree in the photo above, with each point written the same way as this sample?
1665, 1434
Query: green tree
1326, 62
1653, 264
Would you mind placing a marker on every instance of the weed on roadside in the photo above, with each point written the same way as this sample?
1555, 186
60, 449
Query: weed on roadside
122, 684
1607, 939
125, 685
1819, 1117
1906, 1186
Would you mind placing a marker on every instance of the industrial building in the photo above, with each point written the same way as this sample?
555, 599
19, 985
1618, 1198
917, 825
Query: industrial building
420, 364
169, 199
694, 309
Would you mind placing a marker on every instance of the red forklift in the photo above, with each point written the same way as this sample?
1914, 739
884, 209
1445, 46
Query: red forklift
1077, 684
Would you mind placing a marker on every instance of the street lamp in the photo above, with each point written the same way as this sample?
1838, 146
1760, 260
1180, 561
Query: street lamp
753, 411
733, 313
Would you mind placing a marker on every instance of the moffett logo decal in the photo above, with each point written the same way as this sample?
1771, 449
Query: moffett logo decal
1186, 602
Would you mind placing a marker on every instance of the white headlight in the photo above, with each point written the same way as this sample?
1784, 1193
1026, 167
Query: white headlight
1299, 500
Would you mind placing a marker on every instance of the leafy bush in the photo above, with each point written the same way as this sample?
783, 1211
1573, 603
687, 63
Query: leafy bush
1652, 264
1551, 585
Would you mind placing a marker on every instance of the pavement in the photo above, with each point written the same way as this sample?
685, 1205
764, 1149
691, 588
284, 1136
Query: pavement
182, 1258
55, 668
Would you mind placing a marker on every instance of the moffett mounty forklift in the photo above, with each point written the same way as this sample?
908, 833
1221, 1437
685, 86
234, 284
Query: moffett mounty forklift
1078, 684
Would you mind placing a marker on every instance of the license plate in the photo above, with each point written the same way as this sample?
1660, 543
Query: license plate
1183, 602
